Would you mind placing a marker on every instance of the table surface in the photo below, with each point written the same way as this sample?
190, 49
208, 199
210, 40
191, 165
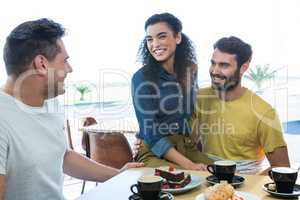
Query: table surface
118, 187
132, 128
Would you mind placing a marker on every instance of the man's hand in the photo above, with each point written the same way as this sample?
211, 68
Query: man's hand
136, 146
131, 165
278, 158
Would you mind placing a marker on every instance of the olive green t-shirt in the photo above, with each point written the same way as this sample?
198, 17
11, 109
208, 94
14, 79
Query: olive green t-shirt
242, 129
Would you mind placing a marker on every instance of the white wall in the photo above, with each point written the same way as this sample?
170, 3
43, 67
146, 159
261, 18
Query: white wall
106, 34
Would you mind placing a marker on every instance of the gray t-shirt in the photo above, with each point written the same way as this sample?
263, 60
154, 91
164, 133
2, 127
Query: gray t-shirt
32, 148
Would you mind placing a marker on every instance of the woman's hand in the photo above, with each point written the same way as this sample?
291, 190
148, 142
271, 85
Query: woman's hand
136, 146
131, 165
197, 166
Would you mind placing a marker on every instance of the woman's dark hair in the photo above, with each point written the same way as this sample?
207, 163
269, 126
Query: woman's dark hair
28, 40
185, 56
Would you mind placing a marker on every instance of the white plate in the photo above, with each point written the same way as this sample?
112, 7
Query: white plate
195, 182
245, 195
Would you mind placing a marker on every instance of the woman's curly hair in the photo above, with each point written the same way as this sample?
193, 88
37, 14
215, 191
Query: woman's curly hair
185, 56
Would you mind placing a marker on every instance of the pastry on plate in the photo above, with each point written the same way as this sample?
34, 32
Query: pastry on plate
220, 191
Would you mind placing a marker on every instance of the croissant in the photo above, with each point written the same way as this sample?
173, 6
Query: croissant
220, 191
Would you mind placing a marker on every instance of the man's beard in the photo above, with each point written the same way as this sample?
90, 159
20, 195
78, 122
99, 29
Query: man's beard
230, 82
53, 90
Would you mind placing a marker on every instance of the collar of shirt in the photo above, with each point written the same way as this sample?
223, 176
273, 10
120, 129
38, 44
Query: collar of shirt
165, 75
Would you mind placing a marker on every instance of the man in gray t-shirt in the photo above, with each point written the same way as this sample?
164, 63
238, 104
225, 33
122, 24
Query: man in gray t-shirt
33, 150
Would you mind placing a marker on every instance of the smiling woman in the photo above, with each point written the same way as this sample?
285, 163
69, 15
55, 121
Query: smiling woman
163, 93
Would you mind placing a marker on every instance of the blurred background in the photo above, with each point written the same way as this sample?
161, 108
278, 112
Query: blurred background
103, 38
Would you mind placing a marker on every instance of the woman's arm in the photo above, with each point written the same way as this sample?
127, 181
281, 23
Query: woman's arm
174, 156
145, 96
145, 103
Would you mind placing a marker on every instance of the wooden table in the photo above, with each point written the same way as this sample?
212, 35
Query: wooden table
118, 187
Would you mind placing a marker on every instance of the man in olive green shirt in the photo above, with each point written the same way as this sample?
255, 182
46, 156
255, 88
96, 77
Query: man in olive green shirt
230, 121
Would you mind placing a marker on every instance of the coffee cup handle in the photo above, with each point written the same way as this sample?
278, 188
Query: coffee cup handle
210, 169
132, 188
270, 174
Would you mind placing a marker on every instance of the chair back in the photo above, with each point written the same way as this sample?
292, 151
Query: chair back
110, 149
88, 121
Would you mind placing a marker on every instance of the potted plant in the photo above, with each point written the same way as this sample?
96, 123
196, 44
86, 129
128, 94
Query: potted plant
259, 75
83, 89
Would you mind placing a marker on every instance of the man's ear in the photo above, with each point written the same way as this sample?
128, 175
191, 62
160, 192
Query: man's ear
40, 64
245, 67
178, 38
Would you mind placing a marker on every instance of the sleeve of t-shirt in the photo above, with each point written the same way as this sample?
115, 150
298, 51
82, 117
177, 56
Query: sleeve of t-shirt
144, 102
270, 132
3, 149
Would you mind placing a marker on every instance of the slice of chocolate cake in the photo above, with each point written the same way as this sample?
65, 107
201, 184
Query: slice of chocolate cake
173, 178
173, 185
170, 175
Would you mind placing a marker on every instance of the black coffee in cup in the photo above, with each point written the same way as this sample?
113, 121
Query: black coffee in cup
284, 178
148, 187
223, 170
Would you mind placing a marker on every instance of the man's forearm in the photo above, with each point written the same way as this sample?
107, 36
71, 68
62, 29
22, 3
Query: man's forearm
81, 167
278, 158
